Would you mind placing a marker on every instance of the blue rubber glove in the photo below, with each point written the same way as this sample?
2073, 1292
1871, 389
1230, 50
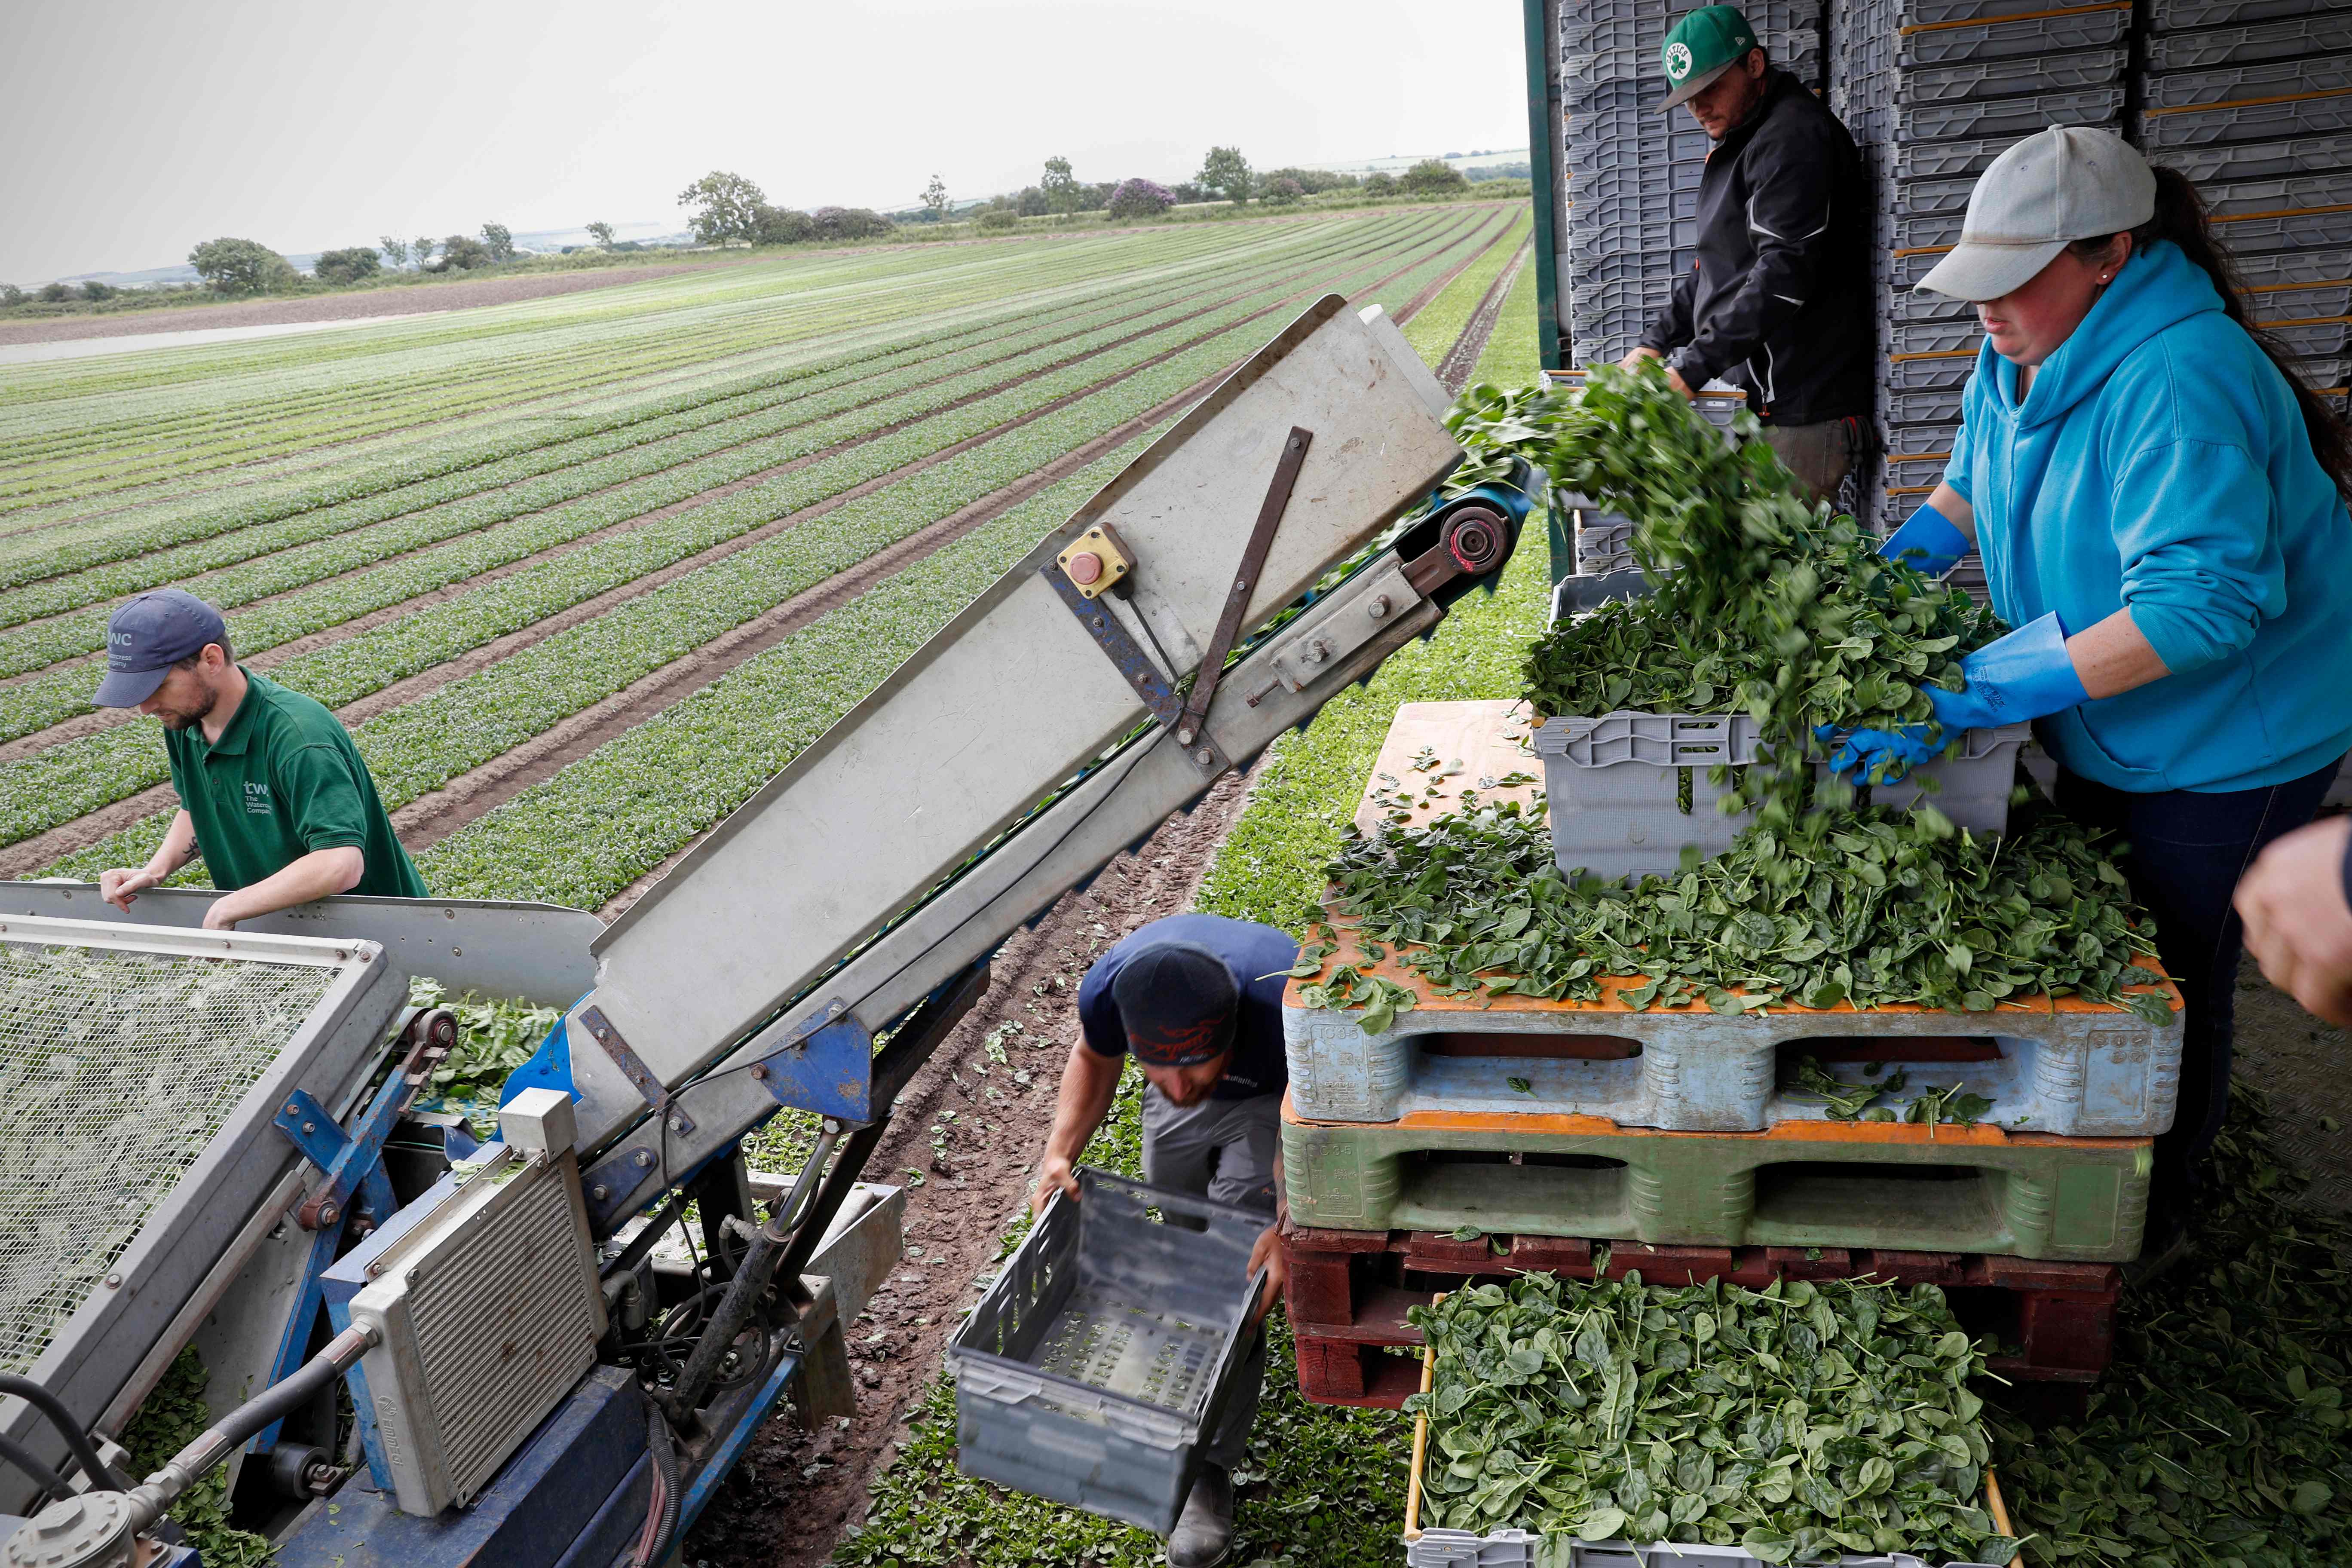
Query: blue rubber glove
2025, 675
1927, 541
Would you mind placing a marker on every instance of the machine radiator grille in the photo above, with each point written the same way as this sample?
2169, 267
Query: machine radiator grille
117, 1068
504, 1326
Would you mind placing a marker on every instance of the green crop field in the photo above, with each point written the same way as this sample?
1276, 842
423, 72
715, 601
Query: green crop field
615, 556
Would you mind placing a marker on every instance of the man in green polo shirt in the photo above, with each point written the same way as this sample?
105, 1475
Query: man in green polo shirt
273, 794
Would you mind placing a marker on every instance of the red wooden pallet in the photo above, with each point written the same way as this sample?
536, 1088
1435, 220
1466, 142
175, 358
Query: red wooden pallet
1349, 1291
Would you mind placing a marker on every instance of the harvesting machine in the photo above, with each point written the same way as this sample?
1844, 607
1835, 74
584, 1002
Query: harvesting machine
555, 1345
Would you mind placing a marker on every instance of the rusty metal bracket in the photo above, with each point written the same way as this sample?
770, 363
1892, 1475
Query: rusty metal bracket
633, 1067
1127, 656
1237, 598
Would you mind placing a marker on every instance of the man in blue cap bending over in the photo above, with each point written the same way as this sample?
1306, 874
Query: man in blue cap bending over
273, 794
1198, 1000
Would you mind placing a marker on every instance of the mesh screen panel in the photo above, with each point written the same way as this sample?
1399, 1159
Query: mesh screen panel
116, 1071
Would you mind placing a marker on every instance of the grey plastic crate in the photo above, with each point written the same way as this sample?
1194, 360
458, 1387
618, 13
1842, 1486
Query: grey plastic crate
1930, 12
2304, 304
2228, 198
2328, 374
1616, 268
2235, 162
1920, 197
2323, 32
1611, 786
1603, 184
1901, 306
1938, 407
2177, 15
2024, 37
2015, 78
1618, 58
1106, 1350
1634, 207
1913, 479
2238, 83
1922, 231
1949, 334
2314, 341
2306, 228
1928, 372
1962, 159
1636, 295
2162, 130
2287, 269
1975, 120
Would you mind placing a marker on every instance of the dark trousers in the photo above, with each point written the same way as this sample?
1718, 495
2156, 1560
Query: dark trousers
2184, 853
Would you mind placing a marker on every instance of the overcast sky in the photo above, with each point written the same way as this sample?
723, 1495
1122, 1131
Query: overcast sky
135, 129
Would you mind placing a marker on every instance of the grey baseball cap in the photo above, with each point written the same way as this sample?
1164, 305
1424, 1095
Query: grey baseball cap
2058, 185
147, 637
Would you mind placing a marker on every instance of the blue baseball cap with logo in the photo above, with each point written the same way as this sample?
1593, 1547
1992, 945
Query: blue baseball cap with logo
149, 635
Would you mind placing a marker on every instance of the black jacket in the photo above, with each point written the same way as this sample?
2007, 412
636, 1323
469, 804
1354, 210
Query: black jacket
1780, 301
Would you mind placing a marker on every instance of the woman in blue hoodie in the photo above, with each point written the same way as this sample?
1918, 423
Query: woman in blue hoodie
2160, 500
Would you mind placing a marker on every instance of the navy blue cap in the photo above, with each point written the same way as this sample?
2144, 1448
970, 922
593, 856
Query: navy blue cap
149, 635
1178, 1003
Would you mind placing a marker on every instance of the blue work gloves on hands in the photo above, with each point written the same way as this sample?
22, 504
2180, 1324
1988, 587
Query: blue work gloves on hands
1927, 541
2025, 675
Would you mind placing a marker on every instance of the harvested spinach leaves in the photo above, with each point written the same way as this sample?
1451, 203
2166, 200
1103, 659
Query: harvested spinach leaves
1796, 1422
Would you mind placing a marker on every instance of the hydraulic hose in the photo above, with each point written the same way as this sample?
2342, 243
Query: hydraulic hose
84, 1452
51, 1483
160, 1491
667, 1498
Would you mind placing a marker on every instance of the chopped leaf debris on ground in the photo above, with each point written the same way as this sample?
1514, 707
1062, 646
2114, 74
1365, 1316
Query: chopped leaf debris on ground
1795, 1422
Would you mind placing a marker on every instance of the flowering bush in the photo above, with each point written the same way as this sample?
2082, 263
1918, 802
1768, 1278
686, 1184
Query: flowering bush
1140, 198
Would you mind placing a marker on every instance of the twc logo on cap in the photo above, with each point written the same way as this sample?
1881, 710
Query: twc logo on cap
1678, 61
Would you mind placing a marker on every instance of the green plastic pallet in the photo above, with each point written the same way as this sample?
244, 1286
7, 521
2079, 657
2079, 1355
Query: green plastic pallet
1895, 1185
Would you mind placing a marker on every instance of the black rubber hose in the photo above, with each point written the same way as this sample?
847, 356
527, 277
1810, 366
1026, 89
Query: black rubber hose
665, 1453
274, 1402
52, 1484
84, 1452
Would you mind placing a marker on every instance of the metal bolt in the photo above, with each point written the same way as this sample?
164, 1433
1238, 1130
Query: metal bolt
1241, 585
838, 1005
1205, 757
643, 1159
831, 1125
1379, 608
457, 953
1184, 736
292, 1109
759, 1072
414, 1277
329, 1213
310, 1127
677, 1124
600, 1192
113, 1281
448, 915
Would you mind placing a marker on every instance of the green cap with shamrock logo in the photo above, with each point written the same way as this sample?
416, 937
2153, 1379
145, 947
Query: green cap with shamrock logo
1702, 47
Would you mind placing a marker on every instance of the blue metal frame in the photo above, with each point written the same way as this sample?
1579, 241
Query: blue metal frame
829, 1069
728, 1447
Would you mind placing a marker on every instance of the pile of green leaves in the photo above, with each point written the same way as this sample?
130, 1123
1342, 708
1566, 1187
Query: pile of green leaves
2218, 1438
1893, 911
1844, 1102
1796, 1422
495, 1036
169, 1418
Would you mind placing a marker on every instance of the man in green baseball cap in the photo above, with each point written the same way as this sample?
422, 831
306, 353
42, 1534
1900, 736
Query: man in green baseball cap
1778, 301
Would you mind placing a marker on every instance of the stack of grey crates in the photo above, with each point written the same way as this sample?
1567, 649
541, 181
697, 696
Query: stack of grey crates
2252, 100
1933, 91
1632, 172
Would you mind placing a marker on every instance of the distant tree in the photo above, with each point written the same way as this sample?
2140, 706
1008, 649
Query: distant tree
55, 293
998, 219
395, 251
1098, 195
1060, 187
1281, 191
11, 295
602, 233
240, 267
781, 225
1226, 172
935, 199
1313, 182
1379, 184
726, 206
345, 266
1433, 177
1186, 191
422, 248
849, 222
94, 290
1031, 203
499, 242
464, 252
1140, 198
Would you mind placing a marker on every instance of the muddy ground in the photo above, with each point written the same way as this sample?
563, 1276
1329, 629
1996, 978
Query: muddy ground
786, 1504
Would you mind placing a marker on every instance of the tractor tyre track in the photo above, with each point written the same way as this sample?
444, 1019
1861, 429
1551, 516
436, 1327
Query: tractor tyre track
1462, 359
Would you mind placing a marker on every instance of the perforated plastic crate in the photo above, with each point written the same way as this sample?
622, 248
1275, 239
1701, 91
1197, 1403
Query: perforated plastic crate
1948, 335
2162, 130
1928, 372
1923, 231
2174, 15
2328, 373
2228, 198
1902, 272
2320, 340
1600, 185
2322, 32
1916, 197
1957, 159
2234, 161
1923, 408
2014, 38
1634, 295
1914, 478
2304, 228
1615, 269
1621, 208
1106, 1350
2007, 117
2304, 304
1930, 13
2012, 79
1620, 59
2290, 268
2238, 83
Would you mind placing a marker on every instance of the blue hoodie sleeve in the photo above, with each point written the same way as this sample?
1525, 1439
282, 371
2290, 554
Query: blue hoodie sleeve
2201, 564
1960, 465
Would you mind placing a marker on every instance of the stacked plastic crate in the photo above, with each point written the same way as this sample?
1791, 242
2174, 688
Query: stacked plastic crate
2252, 100
1633, 171
1473, 1135
1934, 91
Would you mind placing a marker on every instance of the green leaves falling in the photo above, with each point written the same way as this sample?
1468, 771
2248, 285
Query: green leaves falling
1795, 1422
494, 1037
1475, 904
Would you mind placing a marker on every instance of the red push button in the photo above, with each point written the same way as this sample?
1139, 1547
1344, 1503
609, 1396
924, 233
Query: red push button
1085, 568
